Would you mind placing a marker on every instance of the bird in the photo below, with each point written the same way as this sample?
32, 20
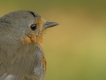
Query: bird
21, 52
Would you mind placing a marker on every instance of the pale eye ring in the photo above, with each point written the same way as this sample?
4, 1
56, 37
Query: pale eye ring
33, 27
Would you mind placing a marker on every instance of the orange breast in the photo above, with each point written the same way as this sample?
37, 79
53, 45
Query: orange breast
33, 38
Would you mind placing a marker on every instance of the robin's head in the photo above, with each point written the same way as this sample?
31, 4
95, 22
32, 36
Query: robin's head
26, 26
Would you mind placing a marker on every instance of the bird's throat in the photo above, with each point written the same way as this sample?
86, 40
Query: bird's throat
33, 38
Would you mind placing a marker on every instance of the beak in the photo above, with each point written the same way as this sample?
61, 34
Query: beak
50, 24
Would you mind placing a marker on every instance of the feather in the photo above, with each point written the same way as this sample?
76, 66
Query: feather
11, 77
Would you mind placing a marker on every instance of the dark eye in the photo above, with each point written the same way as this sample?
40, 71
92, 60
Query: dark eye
33, 26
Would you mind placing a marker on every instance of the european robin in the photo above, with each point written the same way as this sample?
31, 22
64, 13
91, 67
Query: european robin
21, 52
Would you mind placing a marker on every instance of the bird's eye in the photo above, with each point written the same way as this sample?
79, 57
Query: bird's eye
33, 27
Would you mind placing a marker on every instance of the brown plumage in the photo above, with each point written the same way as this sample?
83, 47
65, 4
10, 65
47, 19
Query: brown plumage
21, 52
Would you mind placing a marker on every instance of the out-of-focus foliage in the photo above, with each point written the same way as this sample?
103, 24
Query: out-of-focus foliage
76, 49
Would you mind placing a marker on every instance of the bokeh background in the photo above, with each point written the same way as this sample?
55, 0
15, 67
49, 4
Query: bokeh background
76, 49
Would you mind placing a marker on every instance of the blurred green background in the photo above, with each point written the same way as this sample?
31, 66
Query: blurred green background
76, 49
